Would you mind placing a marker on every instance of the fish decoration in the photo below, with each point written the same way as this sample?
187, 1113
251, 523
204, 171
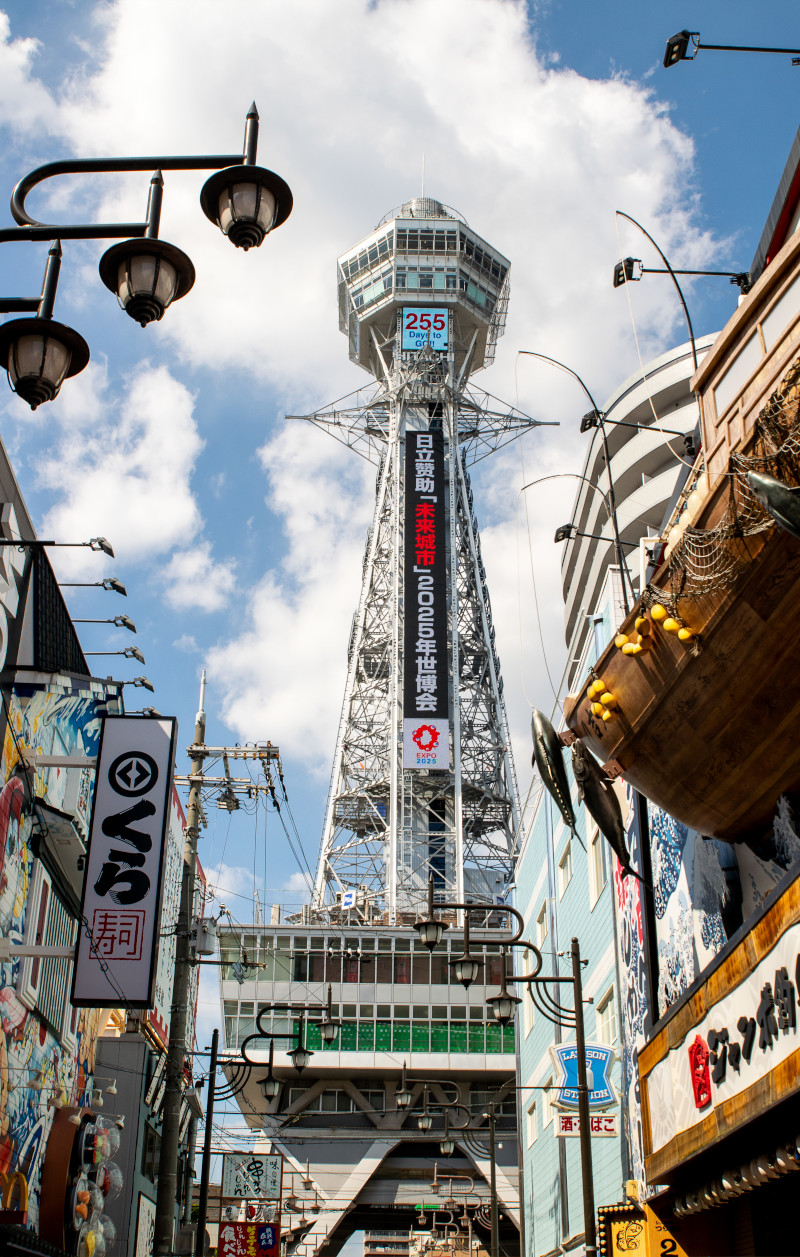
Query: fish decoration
782, 502
600, 800
549, 759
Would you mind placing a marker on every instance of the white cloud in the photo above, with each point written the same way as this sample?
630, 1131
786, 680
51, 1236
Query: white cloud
283, 673
186, 643
192, 579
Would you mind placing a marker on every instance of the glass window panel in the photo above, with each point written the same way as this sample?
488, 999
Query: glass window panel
343, 1102
494, 1039
327, 1101
383, 969
440, 1037
411, 280
313, 1036
476, 1039
333, 968
402, 969
440, 972
401, 1011
458, 1036
508, 1038
439, 1012
316, 967
351, 968
348, 1036
402, 944
348, 1010
420, 1037
366, 1036
300, 968
282, 967
384, 944
401, 1036
421, 968
365, 1010
383, 1036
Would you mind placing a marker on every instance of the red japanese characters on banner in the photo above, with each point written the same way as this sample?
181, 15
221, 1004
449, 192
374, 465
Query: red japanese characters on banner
248, 1239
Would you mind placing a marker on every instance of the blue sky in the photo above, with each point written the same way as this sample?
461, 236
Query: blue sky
239, 535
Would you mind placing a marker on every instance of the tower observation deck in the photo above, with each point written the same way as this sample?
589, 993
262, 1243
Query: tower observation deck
423, 782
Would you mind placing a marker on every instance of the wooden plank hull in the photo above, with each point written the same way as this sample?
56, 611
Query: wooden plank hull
709, 730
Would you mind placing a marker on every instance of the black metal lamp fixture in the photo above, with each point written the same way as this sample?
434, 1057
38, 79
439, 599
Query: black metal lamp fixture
447, 1145
467, 967
270, 1086
111, 583
146, 274
39, 353
300, 1055
121, 621
402, 1097
425, 1119
631, 270
678, 48
130, 652
565, 532
430, 931
247, 201
504, 1005
329, 1027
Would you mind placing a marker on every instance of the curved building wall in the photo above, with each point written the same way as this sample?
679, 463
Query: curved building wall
645, 468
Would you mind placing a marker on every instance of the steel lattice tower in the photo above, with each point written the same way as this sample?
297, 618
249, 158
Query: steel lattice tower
422, 301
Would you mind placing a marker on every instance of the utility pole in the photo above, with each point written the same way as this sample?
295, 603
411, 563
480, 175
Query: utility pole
164, 1231
202, 1212
589, 1226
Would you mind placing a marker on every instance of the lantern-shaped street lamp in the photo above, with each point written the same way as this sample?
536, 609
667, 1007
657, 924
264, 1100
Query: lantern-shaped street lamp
247, 201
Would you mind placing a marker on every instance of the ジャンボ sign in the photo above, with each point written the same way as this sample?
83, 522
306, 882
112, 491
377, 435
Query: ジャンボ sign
426, 706
122, 892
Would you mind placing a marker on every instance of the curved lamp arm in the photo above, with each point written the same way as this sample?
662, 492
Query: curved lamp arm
622, 214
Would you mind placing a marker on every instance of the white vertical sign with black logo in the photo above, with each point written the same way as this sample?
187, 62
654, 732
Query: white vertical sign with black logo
426, 708
121, 903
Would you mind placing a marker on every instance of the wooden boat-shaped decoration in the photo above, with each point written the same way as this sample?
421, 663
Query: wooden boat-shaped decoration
698, 705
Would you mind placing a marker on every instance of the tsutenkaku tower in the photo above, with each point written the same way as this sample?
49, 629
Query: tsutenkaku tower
423, 778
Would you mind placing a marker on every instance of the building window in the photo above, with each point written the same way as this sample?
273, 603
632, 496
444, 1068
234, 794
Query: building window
565, 870
531, 1124
598, 866
547, 1114
541, 925
527, 1010
607, 1018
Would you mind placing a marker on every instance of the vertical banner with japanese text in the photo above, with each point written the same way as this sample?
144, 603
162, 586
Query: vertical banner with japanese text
115, 959
426, 709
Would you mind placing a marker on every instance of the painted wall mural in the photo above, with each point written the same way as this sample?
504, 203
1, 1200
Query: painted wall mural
42, 1039
635, 1011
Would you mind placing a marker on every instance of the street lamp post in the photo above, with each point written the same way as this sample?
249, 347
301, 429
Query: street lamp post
557, 1014
147, 274
612, 503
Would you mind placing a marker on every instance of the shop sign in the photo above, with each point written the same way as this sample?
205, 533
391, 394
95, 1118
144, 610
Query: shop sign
248, 1239
121, 907
251, 1176
602, 1125
741, 1040
599, 1058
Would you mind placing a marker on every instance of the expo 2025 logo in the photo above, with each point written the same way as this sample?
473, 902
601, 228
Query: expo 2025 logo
426, 738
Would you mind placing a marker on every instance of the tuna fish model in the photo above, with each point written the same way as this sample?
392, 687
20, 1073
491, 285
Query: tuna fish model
549, 759
600, 800
776, 497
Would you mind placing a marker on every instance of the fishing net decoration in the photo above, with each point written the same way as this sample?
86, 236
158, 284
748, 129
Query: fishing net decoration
708, 560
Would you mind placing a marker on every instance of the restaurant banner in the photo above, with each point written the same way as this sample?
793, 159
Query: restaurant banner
117, 947
248, 1239
426, 709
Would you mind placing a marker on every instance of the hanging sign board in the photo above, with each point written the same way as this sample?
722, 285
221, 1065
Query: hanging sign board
602, 1124
251, 1176
121, 902
248, 1239
426, 708
424, 328
599, 1058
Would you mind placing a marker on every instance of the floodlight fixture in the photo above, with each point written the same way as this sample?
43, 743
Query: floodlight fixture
565, 532
130, 652
111, 583
631, 270
678, 48
121, 621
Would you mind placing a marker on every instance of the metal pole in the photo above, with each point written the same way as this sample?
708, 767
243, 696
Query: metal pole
614, 525
493, 1180
188, 1178
205, 1172
590, 1234
164, 1228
